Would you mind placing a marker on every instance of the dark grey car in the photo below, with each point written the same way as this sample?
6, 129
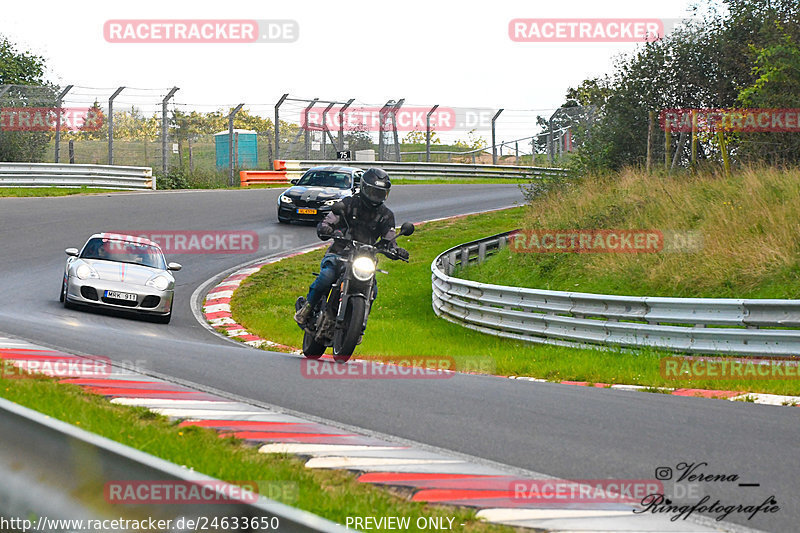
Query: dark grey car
311, 196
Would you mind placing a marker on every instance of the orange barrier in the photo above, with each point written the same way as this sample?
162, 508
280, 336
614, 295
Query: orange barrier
253, 177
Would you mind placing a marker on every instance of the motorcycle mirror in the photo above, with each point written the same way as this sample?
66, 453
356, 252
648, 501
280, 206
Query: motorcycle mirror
407, 228
337, 209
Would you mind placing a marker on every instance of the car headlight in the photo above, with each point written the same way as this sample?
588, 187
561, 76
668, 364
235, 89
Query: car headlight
363, 268
329, 202
159, 282
84, 271
285, 199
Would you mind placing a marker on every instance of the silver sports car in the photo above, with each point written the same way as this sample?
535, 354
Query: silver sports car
120, 272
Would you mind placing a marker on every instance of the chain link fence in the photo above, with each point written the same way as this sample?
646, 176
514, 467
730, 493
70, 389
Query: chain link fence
190, 144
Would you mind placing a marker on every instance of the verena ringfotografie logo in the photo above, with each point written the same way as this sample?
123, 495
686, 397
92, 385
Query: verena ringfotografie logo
580, 30
587, 241
722, 368
742, 120
55, 366
370, 118
48, 118
195, 241
585, 491
201, 31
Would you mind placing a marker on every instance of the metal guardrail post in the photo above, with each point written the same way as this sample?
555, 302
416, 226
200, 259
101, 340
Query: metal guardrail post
111, 125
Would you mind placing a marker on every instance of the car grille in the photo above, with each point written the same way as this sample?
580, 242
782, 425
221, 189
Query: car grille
114, 301
89, 293
305, 203
151, 301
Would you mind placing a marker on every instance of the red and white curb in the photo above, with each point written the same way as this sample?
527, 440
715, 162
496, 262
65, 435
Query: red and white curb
432, 477
217, 311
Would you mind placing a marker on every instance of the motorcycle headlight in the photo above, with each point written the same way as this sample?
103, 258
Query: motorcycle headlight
84, 271
329, 203
159, 282
363, 268
285, 199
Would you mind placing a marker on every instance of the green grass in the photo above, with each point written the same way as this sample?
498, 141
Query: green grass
28, 192
332, 494
402, 322
747, 228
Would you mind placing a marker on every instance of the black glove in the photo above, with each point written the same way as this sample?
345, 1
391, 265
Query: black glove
401, 253
337, 234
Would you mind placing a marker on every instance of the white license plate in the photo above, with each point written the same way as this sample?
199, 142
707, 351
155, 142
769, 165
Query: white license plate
121, 296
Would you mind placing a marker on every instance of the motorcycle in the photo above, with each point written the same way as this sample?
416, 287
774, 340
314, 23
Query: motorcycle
340, 321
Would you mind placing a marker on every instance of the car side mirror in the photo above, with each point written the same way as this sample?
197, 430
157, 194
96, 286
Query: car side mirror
407, 228
174, 267
72, 252
337, 209
294, 181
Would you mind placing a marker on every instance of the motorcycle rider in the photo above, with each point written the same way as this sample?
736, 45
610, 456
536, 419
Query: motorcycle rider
366, 219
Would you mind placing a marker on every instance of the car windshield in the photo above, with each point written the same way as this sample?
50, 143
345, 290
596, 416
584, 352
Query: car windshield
124, 252
326, 178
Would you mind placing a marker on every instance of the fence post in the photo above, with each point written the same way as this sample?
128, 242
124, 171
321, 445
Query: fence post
694, 140
381, 128
394, 128
277, 125
494, 146
649, 160
165, 131
230, 144
324, 145
428, 133
516, 153
341, 123
667, 144
111, 125
71, 152
551, 149
61, 96
306, 133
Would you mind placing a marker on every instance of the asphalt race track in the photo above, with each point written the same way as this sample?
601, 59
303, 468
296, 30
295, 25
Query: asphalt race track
566, 431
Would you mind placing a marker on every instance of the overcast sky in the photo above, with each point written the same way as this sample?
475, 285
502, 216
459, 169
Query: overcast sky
453, 53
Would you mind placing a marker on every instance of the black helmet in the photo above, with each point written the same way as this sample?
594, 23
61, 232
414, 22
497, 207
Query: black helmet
375, 185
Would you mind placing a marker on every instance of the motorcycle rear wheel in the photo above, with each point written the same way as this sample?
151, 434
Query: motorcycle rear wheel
346, 339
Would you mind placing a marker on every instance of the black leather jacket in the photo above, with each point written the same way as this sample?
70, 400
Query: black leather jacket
366, 224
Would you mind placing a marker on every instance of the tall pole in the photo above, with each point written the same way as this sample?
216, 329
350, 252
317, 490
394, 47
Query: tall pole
230, 145
381, 119
325, 129
111, 125
649, 160
341, 123
165, 130
428, 133
59, 100
277, 125
306, 126
394, 128
494, 142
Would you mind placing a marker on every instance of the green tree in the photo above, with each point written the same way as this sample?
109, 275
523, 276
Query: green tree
24, 71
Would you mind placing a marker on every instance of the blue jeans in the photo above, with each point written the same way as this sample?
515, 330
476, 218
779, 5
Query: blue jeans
328, 273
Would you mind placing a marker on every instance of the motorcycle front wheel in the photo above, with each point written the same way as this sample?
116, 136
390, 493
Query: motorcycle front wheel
311, 348
346, 338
